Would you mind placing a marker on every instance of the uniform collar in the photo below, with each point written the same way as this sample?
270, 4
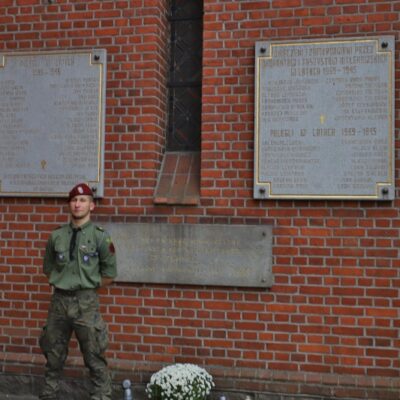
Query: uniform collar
82, 227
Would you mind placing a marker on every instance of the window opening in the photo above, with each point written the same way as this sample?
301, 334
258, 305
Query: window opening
184, 125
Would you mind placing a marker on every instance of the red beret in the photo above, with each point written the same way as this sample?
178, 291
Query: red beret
81, 189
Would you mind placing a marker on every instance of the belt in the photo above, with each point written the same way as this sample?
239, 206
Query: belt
71, 293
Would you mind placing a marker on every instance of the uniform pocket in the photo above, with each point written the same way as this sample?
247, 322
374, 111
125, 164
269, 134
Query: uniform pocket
101, 336
62, 257
43, 340
89, 257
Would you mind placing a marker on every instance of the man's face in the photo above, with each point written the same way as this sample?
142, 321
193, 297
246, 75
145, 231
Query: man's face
80, 207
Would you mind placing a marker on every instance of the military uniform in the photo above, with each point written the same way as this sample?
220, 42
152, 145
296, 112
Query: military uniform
75, 261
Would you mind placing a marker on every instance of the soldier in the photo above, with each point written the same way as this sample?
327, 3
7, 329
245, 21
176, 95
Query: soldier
79, 258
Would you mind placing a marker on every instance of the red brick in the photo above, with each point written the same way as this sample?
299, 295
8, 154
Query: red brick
333, 307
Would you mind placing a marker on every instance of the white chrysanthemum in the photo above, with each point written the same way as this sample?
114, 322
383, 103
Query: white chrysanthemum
180, 382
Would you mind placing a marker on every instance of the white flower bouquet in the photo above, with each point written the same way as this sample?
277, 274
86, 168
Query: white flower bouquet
180, 382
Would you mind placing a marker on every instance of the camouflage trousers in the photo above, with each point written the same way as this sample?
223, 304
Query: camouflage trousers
75, 312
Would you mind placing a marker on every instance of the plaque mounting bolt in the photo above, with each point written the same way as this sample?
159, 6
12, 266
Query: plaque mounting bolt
384, 45
261, 190
96, 57
385, 191
263, 50
94, 189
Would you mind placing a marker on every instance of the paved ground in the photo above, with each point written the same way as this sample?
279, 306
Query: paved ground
4, 396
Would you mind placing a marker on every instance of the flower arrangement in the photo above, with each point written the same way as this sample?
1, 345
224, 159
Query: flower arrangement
180, 382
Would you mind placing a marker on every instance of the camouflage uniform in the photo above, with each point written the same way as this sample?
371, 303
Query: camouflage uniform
76, 272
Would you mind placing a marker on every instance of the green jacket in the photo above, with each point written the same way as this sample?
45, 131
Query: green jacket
93, 258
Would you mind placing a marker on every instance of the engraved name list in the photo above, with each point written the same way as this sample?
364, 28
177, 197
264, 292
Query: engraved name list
324, 119
51, 108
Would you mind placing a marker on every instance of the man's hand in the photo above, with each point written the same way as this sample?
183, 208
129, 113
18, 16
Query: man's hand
106, 281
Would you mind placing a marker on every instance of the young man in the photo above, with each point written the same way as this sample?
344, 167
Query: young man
79, 258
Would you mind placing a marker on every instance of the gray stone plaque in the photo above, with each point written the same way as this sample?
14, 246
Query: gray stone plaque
227, 255
324, 119
52, 122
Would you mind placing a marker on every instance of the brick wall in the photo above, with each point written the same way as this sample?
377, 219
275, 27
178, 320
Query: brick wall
330, 324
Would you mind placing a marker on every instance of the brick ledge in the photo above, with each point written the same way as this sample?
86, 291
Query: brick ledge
179, 179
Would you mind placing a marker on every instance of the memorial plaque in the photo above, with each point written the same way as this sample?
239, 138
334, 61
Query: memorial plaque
217, 255
52, 122
324, 119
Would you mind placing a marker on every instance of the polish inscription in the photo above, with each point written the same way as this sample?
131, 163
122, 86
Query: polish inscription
324, 119
52, 122
194, 254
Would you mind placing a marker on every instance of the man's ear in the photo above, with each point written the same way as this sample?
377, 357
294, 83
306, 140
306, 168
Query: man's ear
92, 205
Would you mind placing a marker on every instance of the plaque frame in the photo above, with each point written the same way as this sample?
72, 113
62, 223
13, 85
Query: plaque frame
96, 58
385, 189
